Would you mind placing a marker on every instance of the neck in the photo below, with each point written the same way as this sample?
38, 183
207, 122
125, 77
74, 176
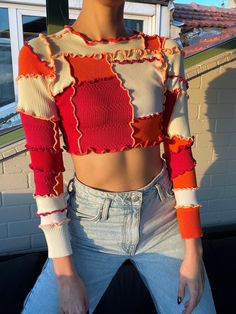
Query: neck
98, 20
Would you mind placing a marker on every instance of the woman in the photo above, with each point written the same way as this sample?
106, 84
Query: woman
116, 94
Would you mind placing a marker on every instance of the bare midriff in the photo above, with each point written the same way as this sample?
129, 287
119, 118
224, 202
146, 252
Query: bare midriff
120, 171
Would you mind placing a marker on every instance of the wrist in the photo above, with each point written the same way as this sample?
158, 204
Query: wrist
194, 246
64, 266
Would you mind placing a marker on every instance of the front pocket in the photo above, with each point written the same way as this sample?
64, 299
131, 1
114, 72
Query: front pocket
84, 209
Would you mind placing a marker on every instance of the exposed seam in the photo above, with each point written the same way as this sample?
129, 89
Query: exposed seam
130, 101
51, 119
28, 76
95, 80
186, 189
140, 52
52, 212
189, 207
35, 168
52, 63
76, 118
109, 39
42, 149
180, 78
56, 224
35, 196
57, 182
147, 117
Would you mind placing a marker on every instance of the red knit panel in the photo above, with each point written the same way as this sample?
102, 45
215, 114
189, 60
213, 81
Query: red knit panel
46, 161
180, 162
68, 122
171, 97
88, 68
45, 183
42, 140
104, 113
40, 133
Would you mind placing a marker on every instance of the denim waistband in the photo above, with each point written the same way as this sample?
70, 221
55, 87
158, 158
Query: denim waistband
81, 187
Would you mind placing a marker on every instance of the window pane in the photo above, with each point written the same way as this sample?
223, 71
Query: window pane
33, 25
8, 118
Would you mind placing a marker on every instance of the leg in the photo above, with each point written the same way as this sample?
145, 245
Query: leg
159, 269
95, 269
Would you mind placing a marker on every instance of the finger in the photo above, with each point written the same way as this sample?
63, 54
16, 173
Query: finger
181, 290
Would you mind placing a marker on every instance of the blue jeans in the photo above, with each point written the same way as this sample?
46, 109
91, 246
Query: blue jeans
106, 228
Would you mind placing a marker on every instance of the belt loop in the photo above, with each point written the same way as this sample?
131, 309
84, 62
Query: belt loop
105, 208
71, 181
161, 191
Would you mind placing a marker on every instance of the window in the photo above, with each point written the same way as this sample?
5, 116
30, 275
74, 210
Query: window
8, 119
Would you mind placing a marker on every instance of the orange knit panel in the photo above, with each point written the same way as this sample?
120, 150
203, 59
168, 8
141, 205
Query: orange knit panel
186, 180
29, 63
189, 222
89, 68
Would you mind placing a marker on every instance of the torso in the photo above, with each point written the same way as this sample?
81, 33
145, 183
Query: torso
120, 171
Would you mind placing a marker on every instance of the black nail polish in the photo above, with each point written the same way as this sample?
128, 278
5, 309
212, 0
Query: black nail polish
179, 300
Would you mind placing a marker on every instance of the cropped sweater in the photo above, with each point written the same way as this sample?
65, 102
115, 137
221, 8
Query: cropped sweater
106, 95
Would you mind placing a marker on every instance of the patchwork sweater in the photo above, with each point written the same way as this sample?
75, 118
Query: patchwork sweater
106, 95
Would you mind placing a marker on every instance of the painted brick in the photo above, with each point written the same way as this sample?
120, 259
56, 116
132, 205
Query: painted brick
203, 180
13, 181
221, 152
3, 230
200, 126
12, 213
222, 179
227, 96
38, 241
225, 125
220, 110
23, 228
20, 198
223, 204
15, 244
11, 166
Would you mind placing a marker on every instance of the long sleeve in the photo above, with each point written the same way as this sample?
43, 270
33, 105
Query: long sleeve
178, 142
40, 122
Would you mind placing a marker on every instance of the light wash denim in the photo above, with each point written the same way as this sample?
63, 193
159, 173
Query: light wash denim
107, 228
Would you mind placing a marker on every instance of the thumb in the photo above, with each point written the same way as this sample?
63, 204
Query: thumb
181, 291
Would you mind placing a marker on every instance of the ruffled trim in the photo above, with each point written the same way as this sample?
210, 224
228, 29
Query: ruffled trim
35, 168
148, 143
43, 149
53, 118
188, 207
56, 224
178, 142
134, 54
109, 39
186, 188
52, 212
35, 196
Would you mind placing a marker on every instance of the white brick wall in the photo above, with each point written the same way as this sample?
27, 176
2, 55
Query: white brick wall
212, 115
19, 230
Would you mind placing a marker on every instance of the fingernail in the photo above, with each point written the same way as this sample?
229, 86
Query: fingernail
179, 299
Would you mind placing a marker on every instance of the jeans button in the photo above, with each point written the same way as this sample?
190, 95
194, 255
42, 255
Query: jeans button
135, 198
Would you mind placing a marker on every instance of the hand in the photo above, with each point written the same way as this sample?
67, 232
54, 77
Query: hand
72, 295
192, 276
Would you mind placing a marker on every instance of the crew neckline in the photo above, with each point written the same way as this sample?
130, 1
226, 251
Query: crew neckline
134, 34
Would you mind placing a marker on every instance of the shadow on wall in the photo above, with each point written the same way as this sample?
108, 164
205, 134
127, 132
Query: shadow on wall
218, 185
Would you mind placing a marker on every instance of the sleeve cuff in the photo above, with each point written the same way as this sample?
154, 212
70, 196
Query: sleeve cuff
58, 240
189, 221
